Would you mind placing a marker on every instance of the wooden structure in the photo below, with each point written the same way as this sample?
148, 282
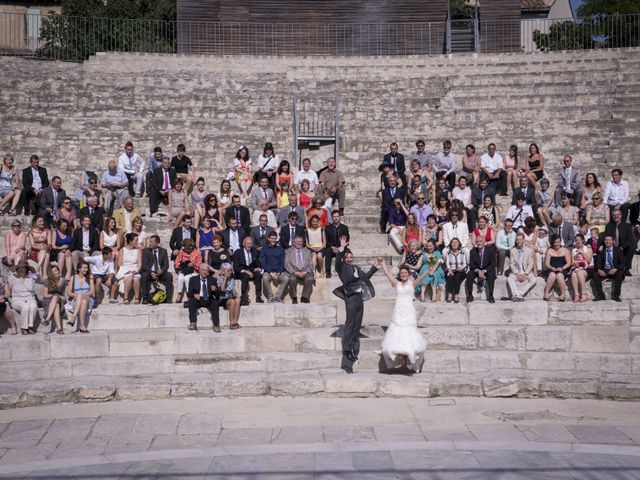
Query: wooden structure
331, 27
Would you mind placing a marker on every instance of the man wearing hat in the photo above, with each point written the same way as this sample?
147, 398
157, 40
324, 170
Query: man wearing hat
268, 163
21, 290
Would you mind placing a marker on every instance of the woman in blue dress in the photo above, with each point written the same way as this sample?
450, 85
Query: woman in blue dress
432, 265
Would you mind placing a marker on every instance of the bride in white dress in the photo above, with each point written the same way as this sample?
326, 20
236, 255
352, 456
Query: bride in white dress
403, 345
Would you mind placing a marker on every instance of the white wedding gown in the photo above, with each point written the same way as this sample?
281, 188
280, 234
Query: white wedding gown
402, 337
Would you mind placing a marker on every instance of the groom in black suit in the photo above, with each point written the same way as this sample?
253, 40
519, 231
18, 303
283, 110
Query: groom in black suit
355, 290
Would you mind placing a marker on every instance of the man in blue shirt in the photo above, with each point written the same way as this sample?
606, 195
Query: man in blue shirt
272, 261
114, 185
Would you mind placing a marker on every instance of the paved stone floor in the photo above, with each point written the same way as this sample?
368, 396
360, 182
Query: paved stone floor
331, 438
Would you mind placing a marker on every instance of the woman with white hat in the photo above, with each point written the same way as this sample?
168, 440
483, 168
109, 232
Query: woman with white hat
21, 290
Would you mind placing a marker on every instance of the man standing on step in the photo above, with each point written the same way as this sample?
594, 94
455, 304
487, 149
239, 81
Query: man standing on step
355, 290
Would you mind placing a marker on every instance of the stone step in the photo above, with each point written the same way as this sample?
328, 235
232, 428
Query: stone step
326, 383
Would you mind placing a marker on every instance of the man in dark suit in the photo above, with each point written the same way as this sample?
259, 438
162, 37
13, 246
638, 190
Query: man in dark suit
232, 236
51, 199
562, 228
634, 219
389, 194
333, 233
34, 179
527, 190
622, 234
84, 241
155, 268
163, 180
482, 266
260, 233
183, 232
94, 212
203, 292
246, 267
610, 263
290, 231
240, 213
396, 160
480, 192
355, 290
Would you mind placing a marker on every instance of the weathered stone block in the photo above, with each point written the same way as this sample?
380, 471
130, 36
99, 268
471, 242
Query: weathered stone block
454, 386
21, 348
502, 338
414, 386
482, 361
581, 362
444, 314
601, 313
451, 338
240, 385
548, 338
269, 340
441, 361
318, 339
634, 336
309, 315
146, 388
80, 346
296, 384
509, 387
568, 387
620, 391
600, 339
531, 312
350, 384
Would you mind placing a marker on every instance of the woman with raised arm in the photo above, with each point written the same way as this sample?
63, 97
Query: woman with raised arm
403, 345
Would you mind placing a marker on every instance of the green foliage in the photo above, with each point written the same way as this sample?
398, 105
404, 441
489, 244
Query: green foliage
461, 9
89, 26
601, 24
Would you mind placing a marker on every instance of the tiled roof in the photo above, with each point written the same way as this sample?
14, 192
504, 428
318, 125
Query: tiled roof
535, 4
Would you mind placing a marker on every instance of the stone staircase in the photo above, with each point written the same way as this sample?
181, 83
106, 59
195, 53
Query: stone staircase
134, 352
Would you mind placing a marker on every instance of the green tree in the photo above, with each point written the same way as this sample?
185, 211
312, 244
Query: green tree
601, 23
89, 26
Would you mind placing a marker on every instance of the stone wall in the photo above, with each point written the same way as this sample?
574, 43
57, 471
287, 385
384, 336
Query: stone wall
77, 115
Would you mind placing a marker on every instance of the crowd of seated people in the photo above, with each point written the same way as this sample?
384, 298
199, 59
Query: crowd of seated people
93, 247
444, 220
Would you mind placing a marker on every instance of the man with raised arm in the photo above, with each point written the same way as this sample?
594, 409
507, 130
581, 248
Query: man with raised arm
355, 290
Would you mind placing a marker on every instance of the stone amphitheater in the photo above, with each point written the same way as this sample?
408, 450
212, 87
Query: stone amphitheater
78, 115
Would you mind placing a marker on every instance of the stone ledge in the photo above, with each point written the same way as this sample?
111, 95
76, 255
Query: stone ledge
327, 383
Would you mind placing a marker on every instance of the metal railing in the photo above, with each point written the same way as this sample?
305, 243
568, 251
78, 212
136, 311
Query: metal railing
76, 38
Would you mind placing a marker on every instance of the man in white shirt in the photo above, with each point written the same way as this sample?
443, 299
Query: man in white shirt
103, 271
132, 165
445, 165
455, 229
463, 193
492, 167
307, 174
616, 194
519, 212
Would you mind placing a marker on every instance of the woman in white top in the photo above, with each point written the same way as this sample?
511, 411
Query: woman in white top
456, 266
137, 227
109, 236
263, 209
129, 264
511, 167
403, 344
